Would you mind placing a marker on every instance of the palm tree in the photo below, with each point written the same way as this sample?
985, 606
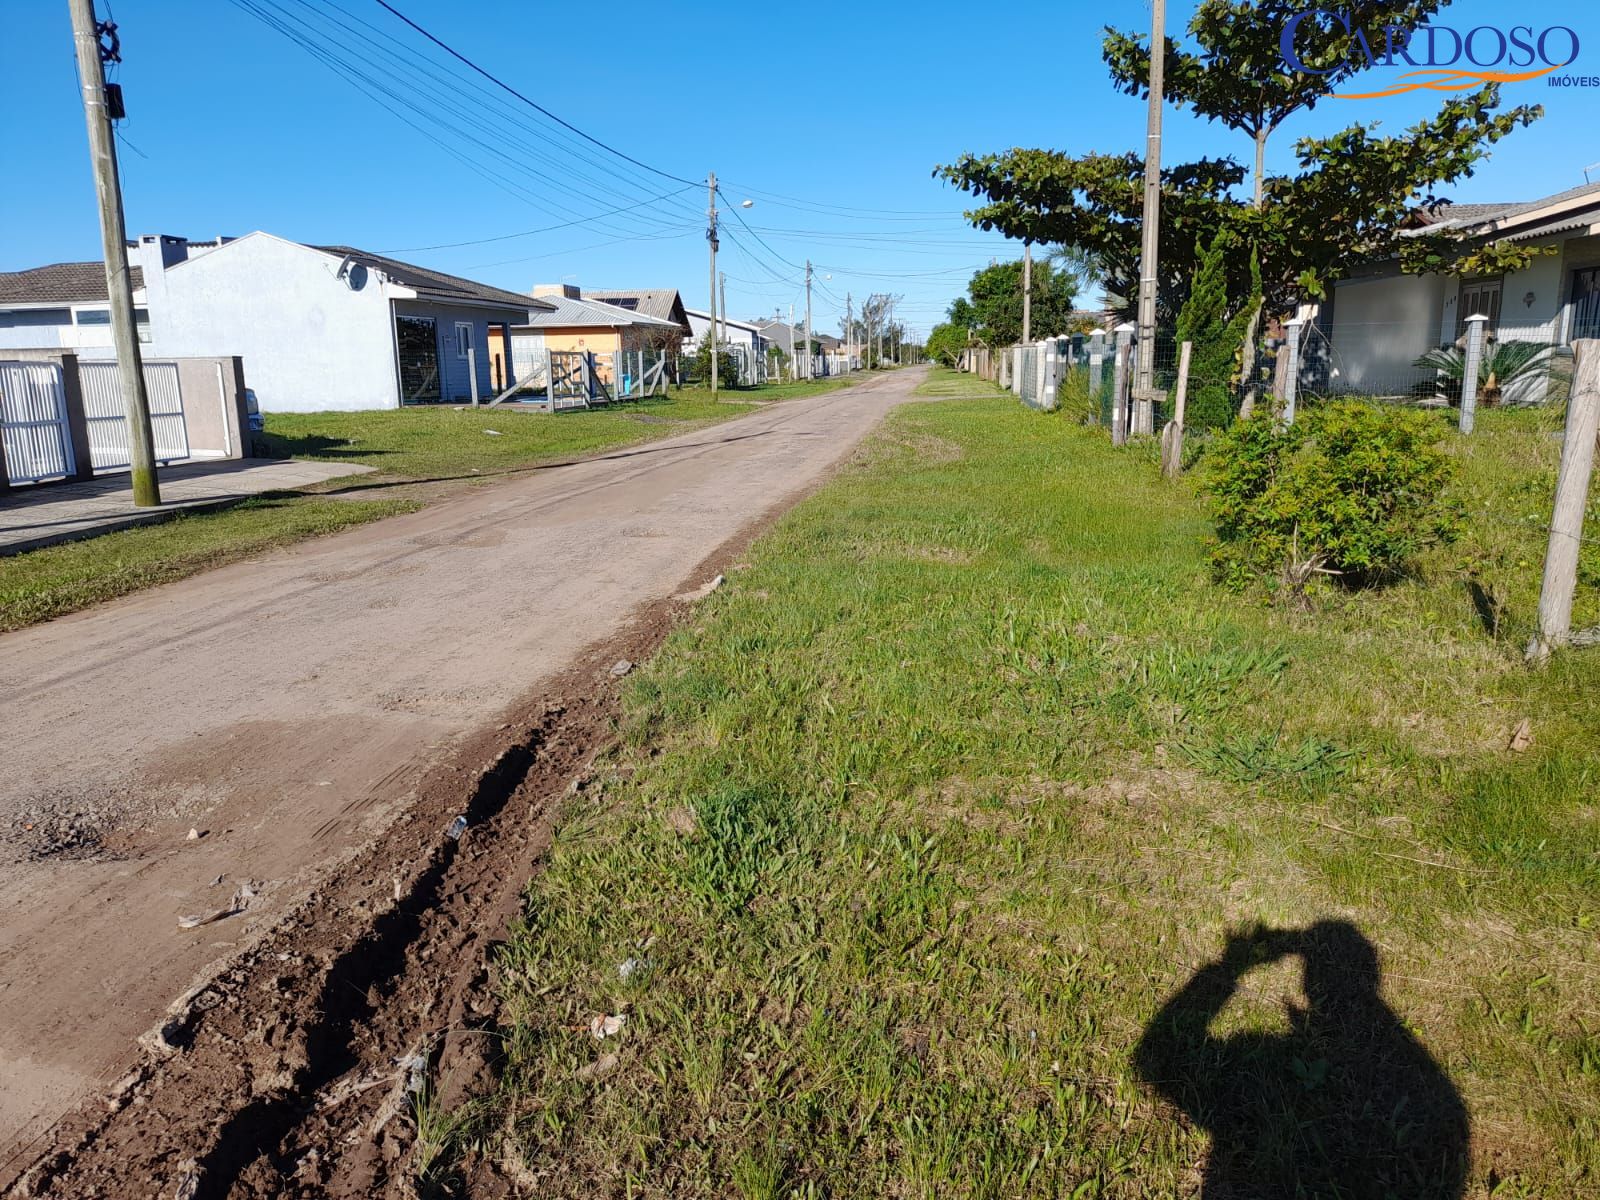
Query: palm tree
1503, 364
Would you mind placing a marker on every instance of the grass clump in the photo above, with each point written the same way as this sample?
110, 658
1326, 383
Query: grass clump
970, 774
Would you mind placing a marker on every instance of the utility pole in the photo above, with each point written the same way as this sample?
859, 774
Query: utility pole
810, 373
86, 35
849, 335
1027, 292
1144, 387
792, 363
711, 239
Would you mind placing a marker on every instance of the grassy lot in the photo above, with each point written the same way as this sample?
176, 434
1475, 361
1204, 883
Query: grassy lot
938, 842
434, 449
443, 442
47, 583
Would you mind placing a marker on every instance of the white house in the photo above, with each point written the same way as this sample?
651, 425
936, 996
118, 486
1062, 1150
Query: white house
1380, 321
729, 333
318, 327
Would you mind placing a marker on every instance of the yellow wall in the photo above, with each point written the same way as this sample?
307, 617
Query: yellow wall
597, 340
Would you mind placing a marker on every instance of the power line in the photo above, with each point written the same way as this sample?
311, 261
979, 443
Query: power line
498, 82
506, 237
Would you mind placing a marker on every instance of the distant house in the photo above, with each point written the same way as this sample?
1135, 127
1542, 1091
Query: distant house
1381, 320
786, 336
569, 320
64, 306
665, 304
318, 327
743, 335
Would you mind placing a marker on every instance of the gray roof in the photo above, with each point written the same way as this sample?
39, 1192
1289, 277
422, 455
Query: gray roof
1463, 216
777, 332
565, 313
437, 285
661, 303
60, 283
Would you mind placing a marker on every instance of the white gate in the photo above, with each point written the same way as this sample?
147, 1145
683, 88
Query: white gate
33, 422
108, 417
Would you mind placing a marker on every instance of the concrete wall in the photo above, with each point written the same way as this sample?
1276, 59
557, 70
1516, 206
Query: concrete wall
309, 341
1381, 326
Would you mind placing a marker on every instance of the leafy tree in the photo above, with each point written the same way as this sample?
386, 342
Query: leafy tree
946, 342
1216, 328
993, 305
1346, 202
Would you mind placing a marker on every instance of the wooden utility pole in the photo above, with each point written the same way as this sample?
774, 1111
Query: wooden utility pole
1149, 255
711, 239
810, 369
1572, 497
114, 235
1027, 292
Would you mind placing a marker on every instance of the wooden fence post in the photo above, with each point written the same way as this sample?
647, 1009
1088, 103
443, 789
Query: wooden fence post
1572, 497
1172, 435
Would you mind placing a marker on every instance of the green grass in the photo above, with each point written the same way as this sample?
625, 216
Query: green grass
442, 442
971, 768
435, 449
56, 580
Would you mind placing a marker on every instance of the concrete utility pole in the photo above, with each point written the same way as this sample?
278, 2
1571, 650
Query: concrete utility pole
86, 35
711, 239
722, 301
791, 342
810, 372
1027, 292
849, 335
1149, 265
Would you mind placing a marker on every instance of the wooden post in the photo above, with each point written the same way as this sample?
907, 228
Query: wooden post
1172, 435
1122, 381
1471, 368
1572, 496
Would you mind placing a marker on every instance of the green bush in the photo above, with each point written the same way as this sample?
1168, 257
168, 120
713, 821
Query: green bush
1216, 336
1351, 490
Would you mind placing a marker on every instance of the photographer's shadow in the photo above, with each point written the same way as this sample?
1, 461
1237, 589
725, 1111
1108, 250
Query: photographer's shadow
1346, 1104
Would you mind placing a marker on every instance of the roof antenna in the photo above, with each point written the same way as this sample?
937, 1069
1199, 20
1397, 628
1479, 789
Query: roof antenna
1594, 166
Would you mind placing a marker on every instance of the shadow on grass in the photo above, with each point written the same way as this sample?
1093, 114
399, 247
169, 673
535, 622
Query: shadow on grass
1348, 1103
309, 445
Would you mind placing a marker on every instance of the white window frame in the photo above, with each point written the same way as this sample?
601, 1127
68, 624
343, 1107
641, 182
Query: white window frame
464, 342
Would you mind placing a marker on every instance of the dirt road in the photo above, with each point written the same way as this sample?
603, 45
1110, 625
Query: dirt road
291, 710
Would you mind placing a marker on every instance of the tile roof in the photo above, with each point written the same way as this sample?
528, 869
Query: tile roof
60, 283
566, 313
1461, 216
436, 284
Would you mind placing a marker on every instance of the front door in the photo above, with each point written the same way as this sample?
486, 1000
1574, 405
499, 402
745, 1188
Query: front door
1586, 304
417, 346
1479, 297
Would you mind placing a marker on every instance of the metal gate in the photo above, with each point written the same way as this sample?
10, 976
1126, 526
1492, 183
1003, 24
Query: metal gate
108, 417
33, 422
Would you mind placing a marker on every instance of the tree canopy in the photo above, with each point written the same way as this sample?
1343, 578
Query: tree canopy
1348, 200
992, 307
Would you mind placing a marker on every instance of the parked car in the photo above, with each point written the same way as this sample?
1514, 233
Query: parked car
252, 412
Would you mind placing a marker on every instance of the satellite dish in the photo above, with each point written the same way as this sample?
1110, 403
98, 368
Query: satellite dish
353, 273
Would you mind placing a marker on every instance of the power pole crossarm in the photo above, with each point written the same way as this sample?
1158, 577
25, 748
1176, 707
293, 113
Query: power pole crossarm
114, 235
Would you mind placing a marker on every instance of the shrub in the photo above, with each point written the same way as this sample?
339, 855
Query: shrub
1503, 365
1216, 337
1351, 491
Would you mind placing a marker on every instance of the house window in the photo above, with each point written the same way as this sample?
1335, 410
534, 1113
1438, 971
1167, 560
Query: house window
93, 316
1586, 304
1479, 297
463, 338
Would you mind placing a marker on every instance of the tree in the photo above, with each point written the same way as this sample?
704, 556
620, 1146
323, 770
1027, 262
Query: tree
1347, 201
946, 343
993, 304
1215, 327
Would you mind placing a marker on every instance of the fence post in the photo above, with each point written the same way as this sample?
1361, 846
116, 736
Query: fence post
1172, 435
1121, 378
1470, 368
1291, 370
472, 372
1052, 374
1097, 360
1572, 497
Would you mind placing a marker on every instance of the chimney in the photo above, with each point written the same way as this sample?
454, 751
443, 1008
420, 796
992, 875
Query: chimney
567, 291
164, 249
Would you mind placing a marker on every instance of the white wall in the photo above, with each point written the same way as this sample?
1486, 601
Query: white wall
308, 341
735, 335
1381, 327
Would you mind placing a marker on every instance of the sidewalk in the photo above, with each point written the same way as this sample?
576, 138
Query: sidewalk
40, 515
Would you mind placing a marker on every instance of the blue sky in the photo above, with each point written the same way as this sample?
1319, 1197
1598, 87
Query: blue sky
832, 124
